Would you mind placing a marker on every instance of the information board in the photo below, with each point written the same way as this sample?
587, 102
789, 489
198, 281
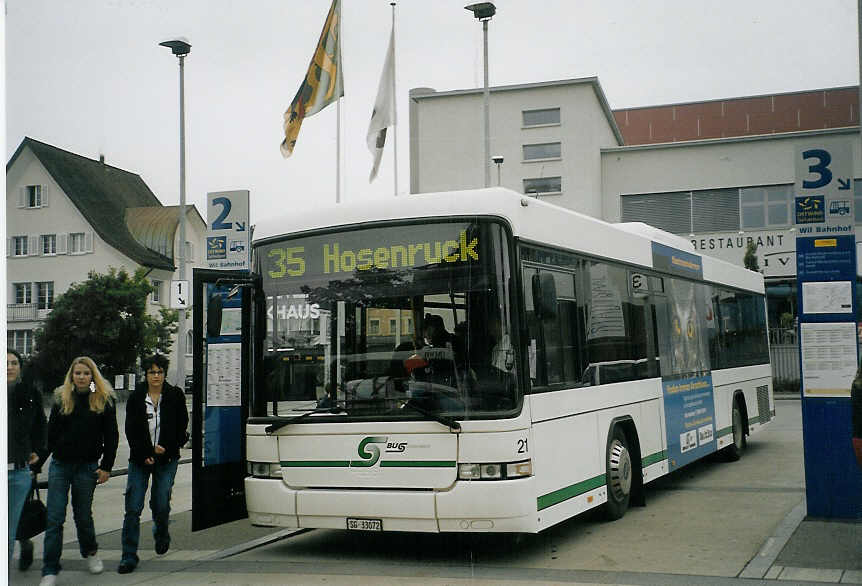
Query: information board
824, 218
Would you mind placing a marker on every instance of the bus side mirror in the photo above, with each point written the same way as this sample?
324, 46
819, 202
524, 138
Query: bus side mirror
214, 311
544, 296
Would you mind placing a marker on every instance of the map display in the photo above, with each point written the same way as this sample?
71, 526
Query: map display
827, 297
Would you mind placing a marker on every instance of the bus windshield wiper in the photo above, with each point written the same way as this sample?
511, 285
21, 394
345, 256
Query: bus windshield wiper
276, 426
450, 422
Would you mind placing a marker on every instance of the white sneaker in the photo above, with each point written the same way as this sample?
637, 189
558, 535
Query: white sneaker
48, 580
94, 564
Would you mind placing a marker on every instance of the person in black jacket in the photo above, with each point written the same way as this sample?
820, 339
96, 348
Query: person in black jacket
156, 422
82, 428
26, 447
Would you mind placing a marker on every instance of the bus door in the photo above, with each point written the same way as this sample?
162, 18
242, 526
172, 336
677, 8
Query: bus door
222, 360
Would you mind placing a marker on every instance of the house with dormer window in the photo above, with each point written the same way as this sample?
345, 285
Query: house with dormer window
67, 215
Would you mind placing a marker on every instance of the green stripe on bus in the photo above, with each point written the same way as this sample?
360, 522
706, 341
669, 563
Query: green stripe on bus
653, 458
417, 464
723, 432
315, 464
385, 463
564, 494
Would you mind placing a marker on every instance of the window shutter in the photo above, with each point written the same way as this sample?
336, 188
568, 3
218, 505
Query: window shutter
88, 242
62, 243
44, 196
716, 210
33, 246
666, 211
9, 245
22, 197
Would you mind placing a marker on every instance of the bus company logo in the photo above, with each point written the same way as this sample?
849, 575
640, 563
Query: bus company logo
216, 247
369, 451
810, 209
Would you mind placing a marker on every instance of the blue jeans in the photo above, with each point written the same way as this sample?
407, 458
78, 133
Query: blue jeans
163, 474
81, 477
20, 482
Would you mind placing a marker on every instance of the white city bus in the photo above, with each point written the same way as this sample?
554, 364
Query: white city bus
483, 361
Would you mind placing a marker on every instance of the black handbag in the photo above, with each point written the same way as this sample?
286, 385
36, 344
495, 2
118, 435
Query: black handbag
33, 518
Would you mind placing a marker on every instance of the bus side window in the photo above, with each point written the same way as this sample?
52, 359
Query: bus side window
537, 374
556, 341
620, 332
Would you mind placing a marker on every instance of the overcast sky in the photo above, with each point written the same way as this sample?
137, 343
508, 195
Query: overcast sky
88, 76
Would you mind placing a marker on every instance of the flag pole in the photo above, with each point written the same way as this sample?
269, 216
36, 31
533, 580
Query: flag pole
338, 120
395, 109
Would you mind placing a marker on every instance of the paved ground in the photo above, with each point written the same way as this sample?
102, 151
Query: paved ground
778, 544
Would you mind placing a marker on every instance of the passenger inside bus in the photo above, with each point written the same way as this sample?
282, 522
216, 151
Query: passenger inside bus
435, 333
440, 356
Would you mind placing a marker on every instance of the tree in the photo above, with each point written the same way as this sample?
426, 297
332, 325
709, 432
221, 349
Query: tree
158, 332
750, 258
105, 317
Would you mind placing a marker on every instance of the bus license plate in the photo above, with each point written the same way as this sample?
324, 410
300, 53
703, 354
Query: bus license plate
365, 524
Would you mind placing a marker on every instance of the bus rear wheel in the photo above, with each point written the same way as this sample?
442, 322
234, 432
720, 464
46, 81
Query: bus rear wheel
618, 475
733, 452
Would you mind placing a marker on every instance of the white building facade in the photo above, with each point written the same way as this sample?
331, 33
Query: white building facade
66, 216
550, 136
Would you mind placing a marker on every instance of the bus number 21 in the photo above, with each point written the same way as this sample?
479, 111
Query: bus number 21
523, 448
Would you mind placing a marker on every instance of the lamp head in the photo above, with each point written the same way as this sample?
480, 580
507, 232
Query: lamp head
498, 159
179, 47
482, 10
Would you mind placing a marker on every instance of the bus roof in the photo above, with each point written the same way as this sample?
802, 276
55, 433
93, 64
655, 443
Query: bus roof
529, 218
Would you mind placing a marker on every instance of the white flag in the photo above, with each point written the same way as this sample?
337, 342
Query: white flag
383, 115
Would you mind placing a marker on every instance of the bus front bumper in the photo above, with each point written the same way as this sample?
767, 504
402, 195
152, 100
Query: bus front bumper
477, 506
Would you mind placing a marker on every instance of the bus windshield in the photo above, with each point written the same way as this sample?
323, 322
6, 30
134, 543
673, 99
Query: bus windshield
406, 321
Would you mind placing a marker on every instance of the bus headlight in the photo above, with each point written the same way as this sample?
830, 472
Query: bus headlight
495, 471
264, 469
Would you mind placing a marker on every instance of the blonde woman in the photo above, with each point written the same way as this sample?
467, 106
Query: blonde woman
82, 428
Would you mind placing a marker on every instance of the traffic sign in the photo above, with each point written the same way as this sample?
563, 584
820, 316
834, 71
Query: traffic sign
823, 192
228, 230
180, 295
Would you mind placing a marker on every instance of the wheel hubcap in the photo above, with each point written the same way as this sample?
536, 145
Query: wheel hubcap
620, 465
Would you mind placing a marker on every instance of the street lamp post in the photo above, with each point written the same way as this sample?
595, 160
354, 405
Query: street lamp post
484, 11
181, 48
498, 160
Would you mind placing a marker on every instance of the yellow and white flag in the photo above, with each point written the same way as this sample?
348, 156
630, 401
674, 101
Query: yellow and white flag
323, 84
383, 115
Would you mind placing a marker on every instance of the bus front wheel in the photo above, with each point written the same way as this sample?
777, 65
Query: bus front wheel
618, 475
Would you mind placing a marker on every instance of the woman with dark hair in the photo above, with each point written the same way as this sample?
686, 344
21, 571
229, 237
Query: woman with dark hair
82, 428
26, 447
156, 422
